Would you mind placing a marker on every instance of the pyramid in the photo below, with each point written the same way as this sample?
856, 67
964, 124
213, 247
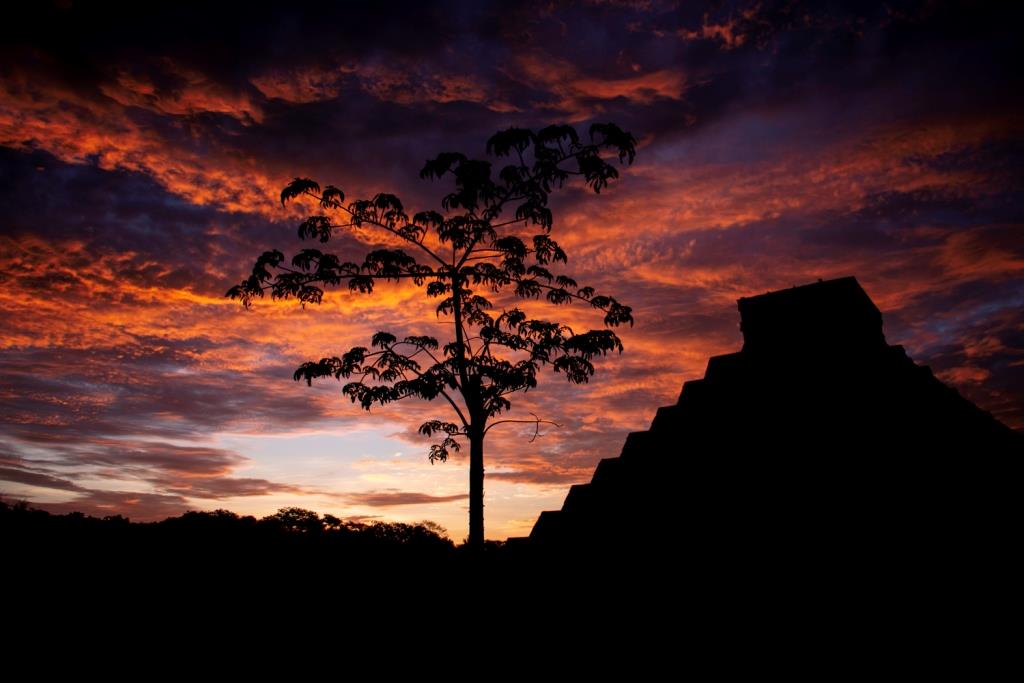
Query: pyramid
816, 443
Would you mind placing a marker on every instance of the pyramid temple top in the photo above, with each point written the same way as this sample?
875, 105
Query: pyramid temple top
826, 316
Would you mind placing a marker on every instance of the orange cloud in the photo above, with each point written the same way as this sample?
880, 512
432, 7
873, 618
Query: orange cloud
302, 85
193, 94
580, 96
729, 32
39, 115
964, 375
406, 84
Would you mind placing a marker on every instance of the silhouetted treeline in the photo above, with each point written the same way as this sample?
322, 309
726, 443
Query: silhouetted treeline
292, 537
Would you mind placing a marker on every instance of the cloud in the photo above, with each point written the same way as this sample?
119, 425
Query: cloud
155, 479
543, 473
301, 85
580, 96
410, 84
140, 165
37, 479
394, 498
79, 128
139, 507
188, 93
728, 32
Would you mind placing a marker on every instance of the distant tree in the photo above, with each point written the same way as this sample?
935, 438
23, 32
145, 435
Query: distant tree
434, 528
477, 246
295, 520
332, 523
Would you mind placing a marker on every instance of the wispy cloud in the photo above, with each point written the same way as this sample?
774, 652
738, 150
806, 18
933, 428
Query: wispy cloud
393, 498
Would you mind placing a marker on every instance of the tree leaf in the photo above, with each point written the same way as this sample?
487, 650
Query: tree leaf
296, 187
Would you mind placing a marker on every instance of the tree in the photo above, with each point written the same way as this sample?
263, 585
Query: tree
470, 249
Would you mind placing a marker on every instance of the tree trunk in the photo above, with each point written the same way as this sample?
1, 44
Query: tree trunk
476, 490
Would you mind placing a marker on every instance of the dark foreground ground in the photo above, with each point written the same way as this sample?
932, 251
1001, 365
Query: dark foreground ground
296, 580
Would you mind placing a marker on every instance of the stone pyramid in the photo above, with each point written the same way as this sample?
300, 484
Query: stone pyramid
816, 443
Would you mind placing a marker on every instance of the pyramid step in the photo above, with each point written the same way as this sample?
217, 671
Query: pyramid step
724, 369
549, 525
667, 417
578, 498
692, 393
607, 472
637, 443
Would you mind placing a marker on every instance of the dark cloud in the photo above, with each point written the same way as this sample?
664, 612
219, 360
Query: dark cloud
30, 478
732, 52
87, 214
84, 40
227, 487
179, 461
139, 507
143, 388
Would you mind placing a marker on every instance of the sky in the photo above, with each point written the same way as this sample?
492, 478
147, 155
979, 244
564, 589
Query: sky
143, 149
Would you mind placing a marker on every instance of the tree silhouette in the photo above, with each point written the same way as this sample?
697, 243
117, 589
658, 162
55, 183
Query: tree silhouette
458, 255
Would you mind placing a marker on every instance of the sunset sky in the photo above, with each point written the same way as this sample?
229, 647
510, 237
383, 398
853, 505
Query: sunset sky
143, 149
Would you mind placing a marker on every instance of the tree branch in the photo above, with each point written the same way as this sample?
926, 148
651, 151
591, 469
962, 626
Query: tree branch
536, 421
442, 392
408, 239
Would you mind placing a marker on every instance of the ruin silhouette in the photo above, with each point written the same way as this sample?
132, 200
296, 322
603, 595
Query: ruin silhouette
816, 447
